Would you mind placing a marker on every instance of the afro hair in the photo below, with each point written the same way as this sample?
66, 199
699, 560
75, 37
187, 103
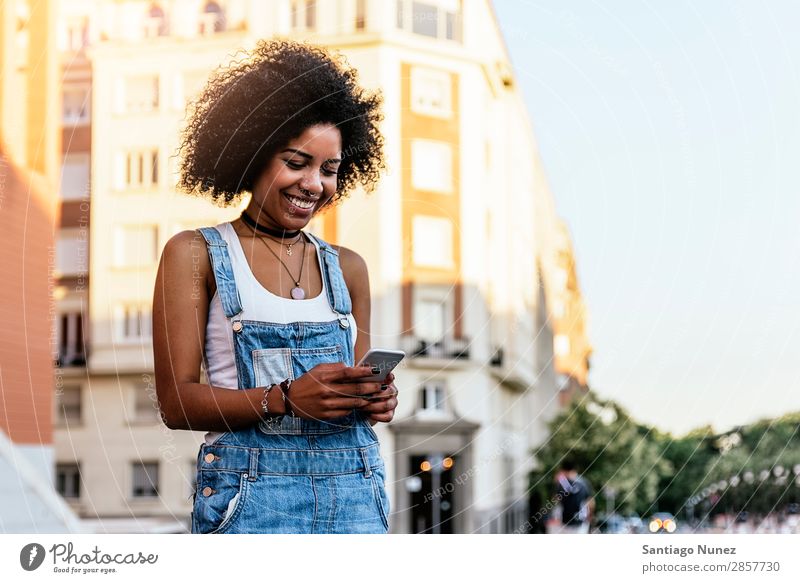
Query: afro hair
256, 105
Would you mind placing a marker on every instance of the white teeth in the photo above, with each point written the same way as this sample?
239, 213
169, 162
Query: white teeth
300, 203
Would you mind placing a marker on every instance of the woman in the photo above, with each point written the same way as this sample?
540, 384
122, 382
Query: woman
273, 311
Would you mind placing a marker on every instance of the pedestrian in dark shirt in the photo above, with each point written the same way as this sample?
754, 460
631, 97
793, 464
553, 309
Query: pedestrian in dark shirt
576, 497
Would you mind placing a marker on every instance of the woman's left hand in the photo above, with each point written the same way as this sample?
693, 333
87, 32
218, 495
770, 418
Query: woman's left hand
381, 407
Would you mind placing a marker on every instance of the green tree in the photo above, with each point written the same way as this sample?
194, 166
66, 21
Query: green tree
610, 450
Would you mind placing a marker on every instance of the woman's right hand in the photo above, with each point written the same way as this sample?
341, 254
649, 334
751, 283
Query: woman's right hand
331, 390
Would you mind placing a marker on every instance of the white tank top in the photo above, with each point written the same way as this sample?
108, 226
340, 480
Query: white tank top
258, 304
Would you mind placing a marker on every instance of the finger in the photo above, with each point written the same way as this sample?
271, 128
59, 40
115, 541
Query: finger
380, 406
348, 403
355, 389
334, 413
382, 417
384, 394
389, 379
351, 373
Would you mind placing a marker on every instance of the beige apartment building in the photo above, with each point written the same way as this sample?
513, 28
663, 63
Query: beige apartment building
456, 239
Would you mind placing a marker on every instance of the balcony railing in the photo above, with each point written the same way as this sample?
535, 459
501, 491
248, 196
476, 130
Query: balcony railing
66, 359
444, 348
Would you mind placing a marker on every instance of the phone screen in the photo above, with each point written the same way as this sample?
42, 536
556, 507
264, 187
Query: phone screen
385, 360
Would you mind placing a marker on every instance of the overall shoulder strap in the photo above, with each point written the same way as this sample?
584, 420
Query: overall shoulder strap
223, 271
338, 296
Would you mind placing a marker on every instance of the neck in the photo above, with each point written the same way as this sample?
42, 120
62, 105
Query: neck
280, 233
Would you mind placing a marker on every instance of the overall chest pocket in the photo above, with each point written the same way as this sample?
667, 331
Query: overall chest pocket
273, 365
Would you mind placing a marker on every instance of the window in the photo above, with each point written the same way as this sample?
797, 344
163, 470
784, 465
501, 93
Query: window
75, 177
75, 35
424, 19
155, 23
304, 14
76, 101
135, 245
145, 479
432, 242
137, 169
561, 344
432, 397
68, 480
429, 320
430, 92
72, 252
431, 165
132, 322
434, 18
212, 19
141, 93
69, 331
68, 404
361, 14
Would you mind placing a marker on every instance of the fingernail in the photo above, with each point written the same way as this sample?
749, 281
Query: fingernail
384, 387
376, 370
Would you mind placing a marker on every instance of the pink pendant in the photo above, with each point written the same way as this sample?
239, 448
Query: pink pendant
298, 293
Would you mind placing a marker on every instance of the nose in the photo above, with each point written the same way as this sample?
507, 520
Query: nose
311, 181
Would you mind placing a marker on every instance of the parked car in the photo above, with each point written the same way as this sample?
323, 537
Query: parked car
662, 522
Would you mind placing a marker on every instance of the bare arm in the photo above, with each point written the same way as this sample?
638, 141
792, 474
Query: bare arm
180, 312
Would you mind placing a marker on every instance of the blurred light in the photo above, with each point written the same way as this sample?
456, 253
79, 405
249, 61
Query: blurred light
447, 463
425, 466
748, 477
778, 471
797, 469
763, 475
655, 524
413, 484
670, 525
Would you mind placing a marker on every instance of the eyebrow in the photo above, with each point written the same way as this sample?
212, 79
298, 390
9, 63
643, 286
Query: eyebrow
308, 156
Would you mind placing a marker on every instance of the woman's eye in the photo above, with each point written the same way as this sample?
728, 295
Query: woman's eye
330, 172
293, 165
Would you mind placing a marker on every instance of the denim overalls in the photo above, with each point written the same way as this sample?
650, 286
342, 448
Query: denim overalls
292, 475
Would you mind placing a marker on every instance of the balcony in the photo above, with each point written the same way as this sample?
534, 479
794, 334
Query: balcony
66, 359
513, 373
445, 352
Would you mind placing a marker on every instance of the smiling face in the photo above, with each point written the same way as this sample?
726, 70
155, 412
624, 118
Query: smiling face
298, 180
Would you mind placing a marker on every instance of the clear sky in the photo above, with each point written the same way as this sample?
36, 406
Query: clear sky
670, 135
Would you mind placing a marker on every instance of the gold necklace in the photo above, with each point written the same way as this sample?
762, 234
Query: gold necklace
298, 293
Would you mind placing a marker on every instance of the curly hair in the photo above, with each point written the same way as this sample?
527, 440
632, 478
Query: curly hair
255, 106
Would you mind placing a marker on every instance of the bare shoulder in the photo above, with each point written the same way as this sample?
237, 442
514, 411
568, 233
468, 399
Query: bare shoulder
186, 245
353, 265
186, 252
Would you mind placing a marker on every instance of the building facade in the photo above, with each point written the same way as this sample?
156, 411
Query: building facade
453, 238
29, 215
